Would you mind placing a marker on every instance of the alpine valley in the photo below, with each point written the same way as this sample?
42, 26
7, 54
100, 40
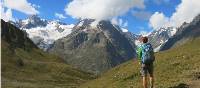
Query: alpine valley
92, 48
85, 55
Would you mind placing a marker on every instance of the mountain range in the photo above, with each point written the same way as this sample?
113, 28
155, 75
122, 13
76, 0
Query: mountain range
106, 44
93, 48
43, 32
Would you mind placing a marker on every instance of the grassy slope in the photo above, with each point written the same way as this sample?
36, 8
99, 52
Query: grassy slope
174, 68
37, 69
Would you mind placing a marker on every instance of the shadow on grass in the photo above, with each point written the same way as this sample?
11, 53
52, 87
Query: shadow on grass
181, 85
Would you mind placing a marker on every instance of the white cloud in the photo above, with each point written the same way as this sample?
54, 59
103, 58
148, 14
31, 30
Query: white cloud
101, 9
21, 5
119, 21
158, 20
60, 16
6, 15
114, 21
185, 12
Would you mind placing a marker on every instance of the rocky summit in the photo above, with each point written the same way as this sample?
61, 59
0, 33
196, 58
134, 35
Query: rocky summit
94, 48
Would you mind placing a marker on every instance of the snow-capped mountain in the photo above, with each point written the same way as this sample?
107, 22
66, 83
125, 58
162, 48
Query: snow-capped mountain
42, 32
31, 22
185, 33
158, 37
94, 49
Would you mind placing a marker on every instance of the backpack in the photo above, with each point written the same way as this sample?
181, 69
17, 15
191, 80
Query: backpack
147, 54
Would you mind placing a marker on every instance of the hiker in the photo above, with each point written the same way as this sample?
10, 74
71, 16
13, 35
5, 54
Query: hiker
146, 58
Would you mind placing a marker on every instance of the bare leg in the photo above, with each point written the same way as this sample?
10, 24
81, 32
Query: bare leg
151, 81
145, 81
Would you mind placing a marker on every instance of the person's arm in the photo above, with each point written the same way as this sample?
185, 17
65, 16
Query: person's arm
139, 54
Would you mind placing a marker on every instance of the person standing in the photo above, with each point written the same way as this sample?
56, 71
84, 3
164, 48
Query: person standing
146, 58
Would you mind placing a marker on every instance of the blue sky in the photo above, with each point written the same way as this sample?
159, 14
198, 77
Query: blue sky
136, 23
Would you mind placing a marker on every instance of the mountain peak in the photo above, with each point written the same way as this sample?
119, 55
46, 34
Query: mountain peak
33, 17
31, 22
94, 49
43, 32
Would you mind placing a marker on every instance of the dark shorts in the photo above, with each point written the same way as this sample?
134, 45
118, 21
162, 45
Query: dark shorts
147, 69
